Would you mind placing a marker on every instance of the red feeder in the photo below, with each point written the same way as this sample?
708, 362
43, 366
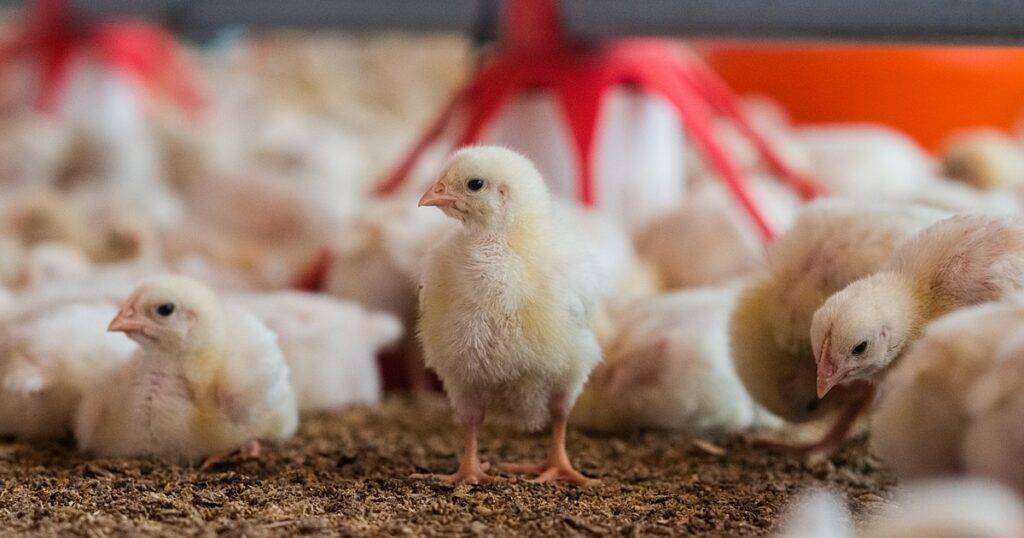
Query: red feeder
143, 51
535, 55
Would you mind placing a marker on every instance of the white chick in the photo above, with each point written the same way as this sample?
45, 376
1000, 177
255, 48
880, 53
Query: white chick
707, 240
949, 509
832, 243
956, 262
378, 260
667, 366
506, 305
956, 197
330, 345
953, 508
994, 439
920, 419
47, 362
817, 514
986, 159
207, 380
866, 161
49, 262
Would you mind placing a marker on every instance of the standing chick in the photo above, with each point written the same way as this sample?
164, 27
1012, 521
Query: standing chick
922, 413
506, 305
957, 262
832, 243
207, 380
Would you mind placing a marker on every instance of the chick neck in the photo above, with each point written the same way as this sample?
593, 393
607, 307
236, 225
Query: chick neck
520, 227
908, 311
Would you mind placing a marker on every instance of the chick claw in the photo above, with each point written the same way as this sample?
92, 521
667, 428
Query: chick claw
249, 450
549, 473
474, 477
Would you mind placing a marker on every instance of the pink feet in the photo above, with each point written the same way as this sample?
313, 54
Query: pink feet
473, 475
249, 450
813, 452
562, 471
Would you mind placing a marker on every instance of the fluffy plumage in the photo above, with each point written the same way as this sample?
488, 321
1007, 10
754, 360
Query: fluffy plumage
330, 345
507, 300
944, 508
707, 240
866, 161
49, 360
831, 244
667, 365
985, 159
206, 380
922, 414
959, 261
994, 439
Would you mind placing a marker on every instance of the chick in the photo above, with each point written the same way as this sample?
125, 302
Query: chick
994, 440
946, 508
707, 240
330, 345
506, 305
866, 160
959, 261
985, 159
49, 360
49, 262
920, 419
832, 243
667, 366
207, 380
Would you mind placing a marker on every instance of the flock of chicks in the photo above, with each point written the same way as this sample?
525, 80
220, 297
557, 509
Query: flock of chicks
897, 298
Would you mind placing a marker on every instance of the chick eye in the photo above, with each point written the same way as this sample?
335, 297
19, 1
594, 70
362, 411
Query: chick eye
860, 348
475, 184
165, 309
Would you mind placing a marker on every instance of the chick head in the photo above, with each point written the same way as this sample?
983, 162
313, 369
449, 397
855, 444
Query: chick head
488, 187
175, 314
859, 331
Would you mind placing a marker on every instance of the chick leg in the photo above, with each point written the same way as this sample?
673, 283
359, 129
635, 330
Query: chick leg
470, 471
836, 435
557, 466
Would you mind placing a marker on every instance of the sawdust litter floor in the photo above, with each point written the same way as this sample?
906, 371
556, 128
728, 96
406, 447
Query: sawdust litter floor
347, 473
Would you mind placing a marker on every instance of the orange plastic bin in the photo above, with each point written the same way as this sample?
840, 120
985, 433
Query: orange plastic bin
927, 91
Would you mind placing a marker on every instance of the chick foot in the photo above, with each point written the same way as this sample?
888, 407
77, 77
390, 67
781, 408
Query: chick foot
549, 472
558, 466
471, 470
833, 440
250, 450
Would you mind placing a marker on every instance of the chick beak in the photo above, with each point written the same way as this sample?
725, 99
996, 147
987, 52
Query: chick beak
437, 195
827, 372
125, 321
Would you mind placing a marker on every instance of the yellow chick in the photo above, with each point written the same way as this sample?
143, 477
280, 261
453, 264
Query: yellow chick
506, 305
957, 262
207, 380
832, 243
924, 410
985, 159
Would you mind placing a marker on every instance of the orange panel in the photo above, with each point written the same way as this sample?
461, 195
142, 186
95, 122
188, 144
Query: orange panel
927, 91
